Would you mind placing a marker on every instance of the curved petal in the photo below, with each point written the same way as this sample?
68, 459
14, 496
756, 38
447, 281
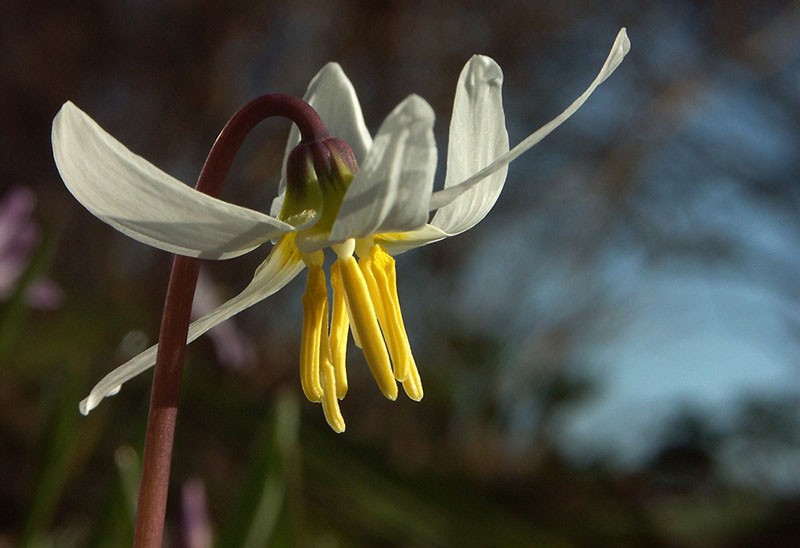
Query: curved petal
141, 201
391, 190
618, 51
477, 137
396, 243
333, 97
280, 267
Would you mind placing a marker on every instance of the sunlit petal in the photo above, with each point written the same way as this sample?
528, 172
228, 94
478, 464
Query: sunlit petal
141, 201
280, 267
392, 188
396, 243
333, 97
477, 137
618, 51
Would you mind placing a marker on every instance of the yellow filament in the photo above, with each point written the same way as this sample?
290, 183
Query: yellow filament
365, 264
340, 325
382, 268
363, 318
330, 404
315, 310
327, 376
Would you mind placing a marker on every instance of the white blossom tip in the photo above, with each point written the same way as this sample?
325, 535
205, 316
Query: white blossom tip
97, 395
418, 107
66, 107
68, 117
482, 70
331, 68
620, 48
88, 404
623, 40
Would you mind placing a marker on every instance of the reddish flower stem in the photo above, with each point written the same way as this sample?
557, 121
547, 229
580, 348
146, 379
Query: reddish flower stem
153, 489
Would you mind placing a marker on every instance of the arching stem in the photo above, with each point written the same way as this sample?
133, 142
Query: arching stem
154, 486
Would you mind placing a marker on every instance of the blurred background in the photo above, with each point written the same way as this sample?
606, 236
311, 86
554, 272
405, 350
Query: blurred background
610, 358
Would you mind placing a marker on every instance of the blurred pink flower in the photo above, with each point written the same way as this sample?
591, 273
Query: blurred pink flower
196, 526
19, 236
233, 348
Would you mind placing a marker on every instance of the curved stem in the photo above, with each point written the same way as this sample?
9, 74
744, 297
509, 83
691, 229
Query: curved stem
153, 489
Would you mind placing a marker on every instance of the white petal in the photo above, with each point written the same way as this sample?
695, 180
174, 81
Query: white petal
391, 190
396, 243
280, 267
477, 137
333, 97
141, 201
618, 51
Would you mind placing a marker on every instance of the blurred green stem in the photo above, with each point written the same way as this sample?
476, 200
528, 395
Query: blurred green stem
67, 438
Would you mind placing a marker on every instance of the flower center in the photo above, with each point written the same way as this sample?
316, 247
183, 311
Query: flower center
318, 174
364, 291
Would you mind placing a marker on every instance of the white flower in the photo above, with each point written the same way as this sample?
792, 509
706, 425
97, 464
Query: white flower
384, 211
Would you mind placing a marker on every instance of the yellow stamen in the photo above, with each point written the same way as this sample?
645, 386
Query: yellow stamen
364, 320
383, 309
340, 325
313, 340
330, 404
382, 268
365, 265
413, 384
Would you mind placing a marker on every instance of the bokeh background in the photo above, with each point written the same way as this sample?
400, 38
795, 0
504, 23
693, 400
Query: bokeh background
610, 358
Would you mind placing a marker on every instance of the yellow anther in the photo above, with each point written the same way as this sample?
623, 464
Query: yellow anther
384, 289
340, 326
330, 404
364, 320
413, 384
313, 340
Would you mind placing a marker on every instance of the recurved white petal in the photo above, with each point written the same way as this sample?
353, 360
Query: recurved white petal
333, 97
396, 243
138, 199
477, 137
391, 190
619, 49
280, 267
